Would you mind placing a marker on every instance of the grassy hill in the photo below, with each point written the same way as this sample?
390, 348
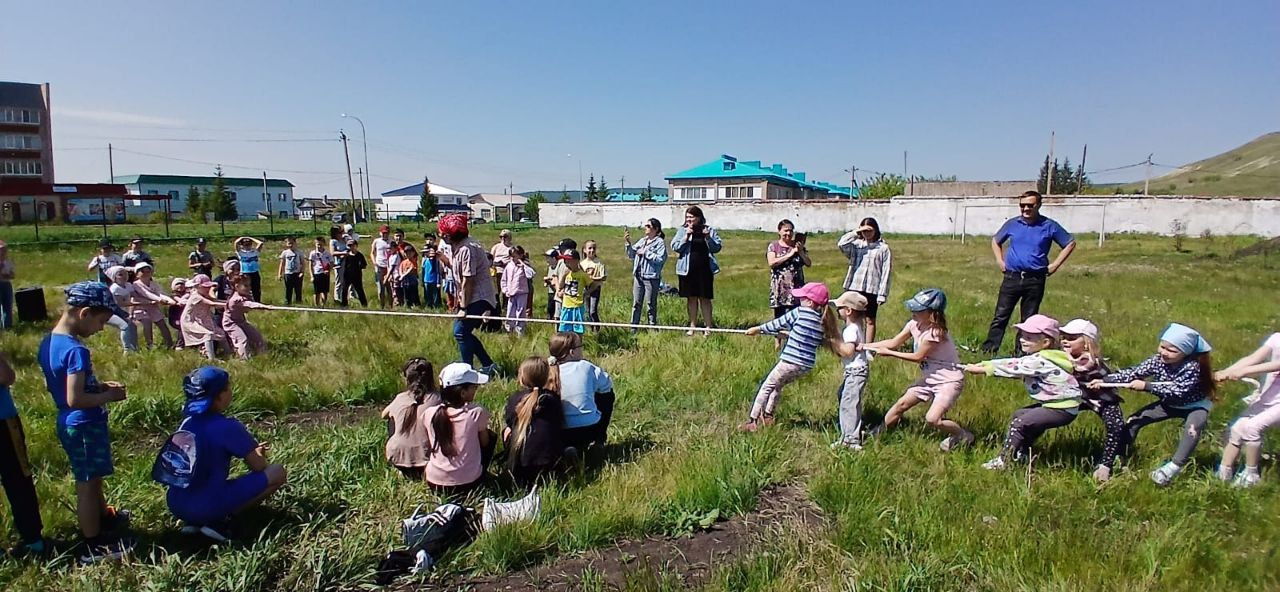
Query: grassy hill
1250, 170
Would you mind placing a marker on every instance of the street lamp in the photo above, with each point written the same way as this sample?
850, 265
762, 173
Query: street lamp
581, 187
364, 141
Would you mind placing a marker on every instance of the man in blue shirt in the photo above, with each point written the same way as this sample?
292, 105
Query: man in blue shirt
1025, 265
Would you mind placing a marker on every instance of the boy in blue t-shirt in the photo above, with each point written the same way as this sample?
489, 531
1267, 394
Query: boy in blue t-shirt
15, 471
82, 415
207, 504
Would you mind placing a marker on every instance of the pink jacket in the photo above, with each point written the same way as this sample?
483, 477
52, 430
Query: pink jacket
515, 278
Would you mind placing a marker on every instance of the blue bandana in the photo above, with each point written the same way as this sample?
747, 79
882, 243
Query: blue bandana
1186, 339
201, 387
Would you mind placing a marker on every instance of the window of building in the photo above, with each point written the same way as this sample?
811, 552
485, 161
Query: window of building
22, 168
153, 192
693, 193
173, 195
20, 142
282, 197
740, 192
14, 115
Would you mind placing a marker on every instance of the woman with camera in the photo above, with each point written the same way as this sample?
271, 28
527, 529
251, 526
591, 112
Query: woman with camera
787, 259
696, 245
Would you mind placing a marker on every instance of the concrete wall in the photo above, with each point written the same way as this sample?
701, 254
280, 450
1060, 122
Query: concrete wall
971, 188
948, 215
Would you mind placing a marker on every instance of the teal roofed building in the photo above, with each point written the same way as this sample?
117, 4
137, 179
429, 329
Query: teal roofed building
728, 179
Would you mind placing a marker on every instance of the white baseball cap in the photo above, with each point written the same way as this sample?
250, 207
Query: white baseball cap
459, 373
1080, 327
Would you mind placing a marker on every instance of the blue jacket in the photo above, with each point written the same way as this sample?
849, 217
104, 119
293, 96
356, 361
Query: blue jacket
680, 245
647, 262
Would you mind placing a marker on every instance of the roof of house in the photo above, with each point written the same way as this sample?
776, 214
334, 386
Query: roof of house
190, 180
728, 167
416, 190
631, 195
498, 199
11, 187
21, 95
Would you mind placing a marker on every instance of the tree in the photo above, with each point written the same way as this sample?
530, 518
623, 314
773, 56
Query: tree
647, 194
591, 189
428, 206
531, 206
219, 200
195, 204
882, 186
564, 196
602, 192
1066, 179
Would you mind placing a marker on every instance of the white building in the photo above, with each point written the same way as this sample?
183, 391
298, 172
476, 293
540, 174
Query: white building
253, 199
404, 202
488, 206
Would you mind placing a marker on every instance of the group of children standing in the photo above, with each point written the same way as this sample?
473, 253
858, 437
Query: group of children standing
1061, 367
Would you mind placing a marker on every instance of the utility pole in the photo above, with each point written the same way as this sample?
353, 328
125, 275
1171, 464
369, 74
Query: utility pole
853, 178
1080, 175
360, 184
111, 165
271, 219
350, 184
1048, 184
511, 206
905, 177
622, 186
1146, 185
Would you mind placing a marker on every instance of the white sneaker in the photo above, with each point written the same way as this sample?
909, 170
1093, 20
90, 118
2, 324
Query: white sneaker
1246, 479
995, 464
1225, 473
1102, 474
841, 444
1164, 475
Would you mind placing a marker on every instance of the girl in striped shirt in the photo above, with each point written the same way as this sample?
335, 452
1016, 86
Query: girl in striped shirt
804, 325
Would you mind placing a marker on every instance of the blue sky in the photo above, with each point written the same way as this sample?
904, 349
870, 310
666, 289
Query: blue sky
481, 94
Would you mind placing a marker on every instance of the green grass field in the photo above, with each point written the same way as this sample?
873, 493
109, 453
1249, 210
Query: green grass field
903, 516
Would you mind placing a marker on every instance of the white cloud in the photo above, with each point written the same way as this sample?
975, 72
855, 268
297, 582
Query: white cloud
115, 117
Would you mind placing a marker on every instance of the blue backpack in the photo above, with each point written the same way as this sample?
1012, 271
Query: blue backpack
175, 466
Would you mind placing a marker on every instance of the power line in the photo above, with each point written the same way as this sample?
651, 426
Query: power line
251, 140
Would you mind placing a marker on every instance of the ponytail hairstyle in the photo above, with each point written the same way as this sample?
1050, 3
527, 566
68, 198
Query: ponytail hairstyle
420, 381
1207, 384
561, 346
451, 397
938, 319
534, 374
831, 328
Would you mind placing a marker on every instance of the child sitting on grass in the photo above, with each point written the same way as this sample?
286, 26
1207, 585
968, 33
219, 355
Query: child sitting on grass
1182, 378
82, 416
852, 307
805, 335
1047, 373
407, 419
460, 443
211, 498
941, 378
1262, 413
1082, 343
534, 437
245, 339
15, 471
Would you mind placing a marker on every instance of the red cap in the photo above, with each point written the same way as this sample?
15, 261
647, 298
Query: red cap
452, 224
384, 228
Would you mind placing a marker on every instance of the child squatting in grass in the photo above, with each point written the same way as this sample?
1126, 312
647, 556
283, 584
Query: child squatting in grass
1081, 341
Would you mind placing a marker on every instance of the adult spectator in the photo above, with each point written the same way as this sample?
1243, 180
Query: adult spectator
382, 247
647, 255
201, 260
787, 259
476, 294
501, 254
696, 245
136, 255
1026, 264
6, 287
870, 266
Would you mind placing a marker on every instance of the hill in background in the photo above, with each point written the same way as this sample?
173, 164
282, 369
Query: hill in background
1252, 170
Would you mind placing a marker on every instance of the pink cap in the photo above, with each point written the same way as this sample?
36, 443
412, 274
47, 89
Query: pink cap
199, 280
1081, 327
817, 292
1039, 324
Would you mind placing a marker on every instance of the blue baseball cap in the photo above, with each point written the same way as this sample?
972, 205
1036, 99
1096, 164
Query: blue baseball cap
201, 386
927, 299
93, 295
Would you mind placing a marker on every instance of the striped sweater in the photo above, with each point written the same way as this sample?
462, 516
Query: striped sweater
804, 327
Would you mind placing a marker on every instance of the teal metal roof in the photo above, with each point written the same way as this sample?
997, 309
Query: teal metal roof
630, 197
188, 180
728, 167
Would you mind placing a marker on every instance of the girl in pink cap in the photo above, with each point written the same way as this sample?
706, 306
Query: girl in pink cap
145, 305
1047, 373
245, 339
1082, 342
805, 327
198, 328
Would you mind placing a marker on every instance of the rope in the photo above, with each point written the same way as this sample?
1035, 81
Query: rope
437, 315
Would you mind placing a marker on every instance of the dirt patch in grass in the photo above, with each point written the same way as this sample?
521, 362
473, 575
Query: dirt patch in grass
1270, 246
692, 559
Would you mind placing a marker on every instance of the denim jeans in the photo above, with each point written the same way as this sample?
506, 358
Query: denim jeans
469, 346
1022, 289
644, 291
6, 304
